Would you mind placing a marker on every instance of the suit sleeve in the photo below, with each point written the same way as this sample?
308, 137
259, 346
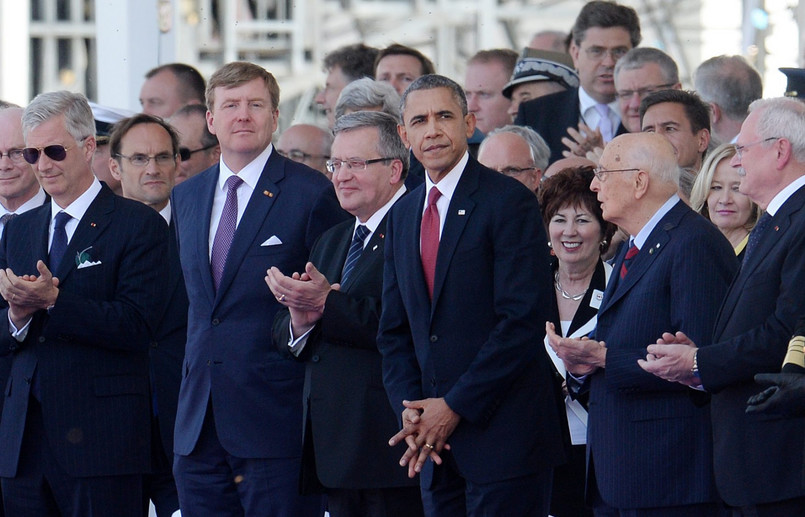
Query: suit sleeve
125, 320
522, 287
700, 273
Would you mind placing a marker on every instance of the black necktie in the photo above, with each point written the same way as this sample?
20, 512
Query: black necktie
756, 234
355, 250
59, 244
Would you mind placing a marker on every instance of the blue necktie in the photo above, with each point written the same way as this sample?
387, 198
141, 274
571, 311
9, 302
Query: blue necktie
59, 244
756, 234
355, 250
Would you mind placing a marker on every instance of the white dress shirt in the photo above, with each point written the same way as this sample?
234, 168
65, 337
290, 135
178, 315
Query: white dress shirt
447, 185
36, 201
590, 115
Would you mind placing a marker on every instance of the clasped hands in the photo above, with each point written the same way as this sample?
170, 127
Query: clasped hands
303, 293
427, 424
582, 356
671, 359
26, 294
585, 142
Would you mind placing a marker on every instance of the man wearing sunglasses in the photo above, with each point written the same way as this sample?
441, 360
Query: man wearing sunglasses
144, 160
198, 148
80, 275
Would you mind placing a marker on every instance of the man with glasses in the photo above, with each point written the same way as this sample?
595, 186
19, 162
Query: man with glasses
465, 293
330, 323
758, 459
649, 444
198, 148
307, 144
516, 151
145, 156
603, 33
239, 418
80, 275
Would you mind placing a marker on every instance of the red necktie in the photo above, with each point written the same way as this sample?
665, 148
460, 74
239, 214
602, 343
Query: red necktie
627, 259
430, 238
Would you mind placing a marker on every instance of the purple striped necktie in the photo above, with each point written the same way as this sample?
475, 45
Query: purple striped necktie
225, 231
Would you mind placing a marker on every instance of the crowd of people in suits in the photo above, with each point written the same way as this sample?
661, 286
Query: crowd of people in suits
559, 289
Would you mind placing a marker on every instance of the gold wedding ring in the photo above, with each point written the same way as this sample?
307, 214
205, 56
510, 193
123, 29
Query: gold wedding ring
281, 298
429, 446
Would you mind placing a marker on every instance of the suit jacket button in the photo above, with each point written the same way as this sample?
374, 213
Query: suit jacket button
41, 339
315, 359
154, 344
216, 321
12, 347
27, 380
433, 382
434, 338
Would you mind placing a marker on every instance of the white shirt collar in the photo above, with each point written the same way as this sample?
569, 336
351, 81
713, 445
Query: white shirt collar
250, 173
782, 196
642, 235
374, 220
587, 103
37, 200
447, 185
166, 212
79, 207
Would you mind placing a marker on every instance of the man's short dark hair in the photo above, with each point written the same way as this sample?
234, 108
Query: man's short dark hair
193, 85
124, 126
355, 61
505, 56
395, 49
431, 82
198, 110
603, 14
696, 110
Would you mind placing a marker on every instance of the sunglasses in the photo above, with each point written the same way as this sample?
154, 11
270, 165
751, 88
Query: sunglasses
186, 153
54, 152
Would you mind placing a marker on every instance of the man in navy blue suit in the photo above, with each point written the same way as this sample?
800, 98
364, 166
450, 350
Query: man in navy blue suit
239, 421
80, 275
649, 442
759, 461
144, 154
466, 287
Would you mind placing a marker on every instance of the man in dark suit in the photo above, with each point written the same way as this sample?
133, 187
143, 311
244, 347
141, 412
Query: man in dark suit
460, 326
758, 459
604, 31
649, 445
144, 155
80, 275
331, 324
239, 419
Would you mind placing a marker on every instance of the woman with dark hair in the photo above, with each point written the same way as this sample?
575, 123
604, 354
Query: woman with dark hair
578, 235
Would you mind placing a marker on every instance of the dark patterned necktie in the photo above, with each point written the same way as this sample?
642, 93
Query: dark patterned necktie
6, 218
355, 250
225, 231
429, 234
59, 245
756, 234
627, 260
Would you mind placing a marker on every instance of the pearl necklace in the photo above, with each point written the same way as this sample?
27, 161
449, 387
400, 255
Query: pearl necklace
565, 294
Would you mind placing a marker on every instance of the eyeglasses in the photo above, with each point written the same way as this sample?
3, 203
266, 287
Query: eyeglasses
739, 149
15, 155
300, 156
642, 92
142, 160
353, 163
54, 152
599, 52
186, 153
600, 173
514, 171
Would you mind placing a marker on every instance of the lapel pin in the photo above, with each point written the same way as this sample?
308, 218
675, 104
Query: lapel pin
650, 251
776, 228
92, 224
462, 212
268, 193
374, 247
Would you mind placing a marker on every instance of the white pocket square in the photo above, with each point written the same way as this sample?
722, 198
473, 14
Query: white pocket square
272, 241
88, 264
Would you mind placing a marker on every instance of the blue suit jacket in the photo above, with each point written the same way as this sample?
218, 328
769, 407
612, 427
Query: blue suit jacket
758, 458
90, 351
651, 445
551, 115
478, 344
229, 358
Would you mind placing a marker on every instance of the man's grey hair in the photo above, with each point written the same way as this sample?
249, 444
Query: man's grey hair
431, 82
540, 153
782, 117
368, 94
389, 143
729, 82
78, 118
641, 56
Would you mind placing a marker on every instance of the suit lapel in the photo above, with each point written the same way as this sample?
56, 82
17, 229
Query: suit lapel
91, 225
458, 213
372, 252
202, 211
585, 312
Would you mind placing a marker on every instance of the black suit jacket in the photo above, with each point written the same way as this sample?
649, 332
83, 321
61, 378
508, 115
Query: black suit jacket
345, 404
478, 343
90, 351
758, 457
551, 115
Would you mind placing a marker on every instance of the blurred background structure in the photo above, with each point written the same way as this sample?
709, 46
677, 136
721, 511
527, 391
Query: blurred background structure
104, 47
